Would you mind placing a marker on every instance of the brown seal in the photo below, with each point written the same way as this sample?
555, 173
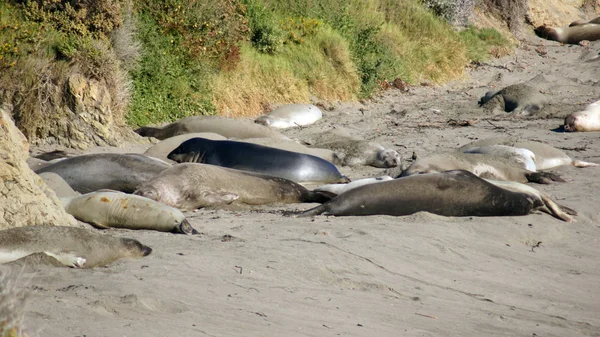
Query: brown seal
569, 35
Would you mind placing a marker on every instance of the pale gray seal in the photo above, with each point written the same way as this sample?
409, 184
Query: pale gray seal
583, 22
482, 165
57, 184
545, 156
520, 156
191, 186
291, 115
227, 127
74, 247
294, 166
352, 152
162, 149
338, 189
112, 209
586, 120
92, 172
518, 99
450, 193
569, 35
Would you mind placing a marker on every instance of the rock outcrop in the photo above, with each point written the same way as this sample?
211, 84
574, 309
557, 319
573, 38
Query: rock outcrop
24, 197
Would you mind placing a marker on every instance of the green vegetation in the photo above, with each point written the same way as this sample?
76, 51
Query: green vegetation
167, 59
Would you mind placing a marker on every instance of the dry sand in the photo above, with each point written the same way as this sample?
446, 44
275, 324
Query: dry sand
254, 272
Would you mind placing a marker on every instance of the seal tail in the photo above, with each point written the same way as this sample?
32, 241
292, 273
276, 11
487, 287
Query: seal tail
318, 196
313, 211
146, 131
580, 163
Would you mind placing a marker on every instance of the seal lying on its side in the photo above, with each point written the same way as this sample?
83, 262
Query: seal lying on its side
450, 193
74, 247
291, 115
226, 127
162, 149
294, 166
518, 99
292, 146
586, 120
570, 35
545, 156
119, 172
338, 189
112, 209
519, 156
192, 186
583, 22
482, 165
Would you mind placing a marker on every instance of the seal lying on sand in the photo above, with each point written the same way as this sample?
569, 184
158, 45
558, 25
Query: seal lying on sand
226, 127
338, 189
294, 166
570, 35
521, 157
291, 115
361, 152
482, 165
57, 184
450, 193
74, 247
162, 149
120, 172
545, 156
518, 99
586, 120
192, 186
112, 209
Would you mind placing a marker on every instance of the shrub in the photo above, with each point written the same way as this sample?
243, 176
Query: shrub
455, 12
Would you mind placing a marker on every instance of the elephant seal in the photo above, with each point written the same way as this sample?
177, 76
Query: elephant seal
112, 209
558, 211
292, 146
450, 193
586, 120
73, 247
226, 127
338, 189
294, 166
520, 156
569, 35
162, 149
56, 154
545, 156
517, 99
291, 115
361, 152
190, 186
92, 172
482, 165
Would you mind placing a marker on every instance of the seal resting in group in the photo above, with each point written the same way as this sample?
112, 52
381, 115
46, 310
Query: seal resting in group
355, 152
586, 120
544, 156
450, 193
517, 99
292, 146
482, 165
114, 171
570, 35
226, 127
73, 247
190, 186
291, 115
583, 22
112, 209
294, 166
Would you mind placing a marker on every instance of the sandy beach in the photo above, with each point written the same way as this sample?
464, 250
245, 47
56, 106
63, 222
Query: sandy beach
255, 272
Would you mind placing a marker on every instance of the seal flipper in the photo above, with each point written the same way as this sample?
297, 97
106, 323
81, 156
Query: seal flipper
69, 259
318, 196
580, 163
185, 228
314, 211
543, 177
219, 198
